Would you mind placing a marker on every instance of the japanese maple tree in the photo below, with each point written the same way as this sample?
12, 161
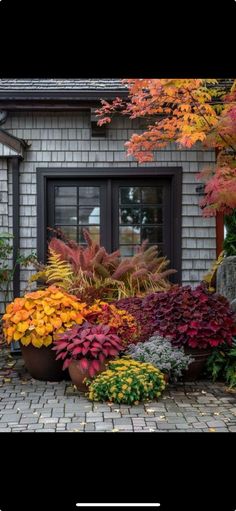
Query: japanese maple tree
184, 111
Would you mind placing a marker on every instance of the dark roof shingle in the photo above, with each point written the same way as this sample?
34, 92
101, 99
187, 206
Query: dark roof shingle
55, 84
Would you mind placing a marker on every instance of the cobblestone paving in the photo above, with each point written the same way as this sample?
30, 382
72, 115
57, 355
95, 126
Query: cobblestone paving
27, 405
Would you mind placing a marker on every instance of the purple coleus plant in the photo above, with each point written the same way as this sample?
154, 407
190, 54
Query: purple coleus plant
193, 318
90, 345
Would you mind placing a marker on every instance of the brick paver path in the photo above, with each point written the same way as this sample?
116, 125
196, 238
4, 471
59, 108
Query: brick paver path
28, 405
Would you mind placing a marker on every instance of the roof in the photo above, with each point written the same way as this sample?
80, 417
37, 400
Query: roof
64, 94
55, 84
74, 84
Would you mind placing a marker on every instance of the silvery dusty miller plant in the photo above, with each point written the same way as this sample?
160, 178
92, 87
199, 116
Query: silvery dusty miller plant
159, 352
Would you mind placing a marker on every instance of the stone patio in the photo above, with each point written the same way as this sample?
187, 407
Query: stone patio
27, 405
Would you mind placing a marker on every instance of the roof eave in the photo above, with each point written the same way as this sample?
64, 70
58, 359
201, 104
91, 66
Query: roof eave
70, 95
56, 100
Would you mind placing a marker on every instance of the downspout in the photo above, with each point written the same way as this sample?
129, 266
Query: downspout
15, 164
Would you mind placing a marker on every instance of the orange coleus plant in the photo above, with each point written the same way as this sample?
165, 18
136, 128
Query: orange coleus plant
122, 323
38, 315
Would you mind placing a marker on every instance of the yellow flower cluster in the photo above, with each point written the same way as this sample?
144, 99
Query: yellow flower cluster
35, 317
127, 381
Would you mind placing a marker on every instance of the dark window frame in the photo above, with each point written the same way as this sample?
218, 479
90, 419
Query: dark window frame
173, 173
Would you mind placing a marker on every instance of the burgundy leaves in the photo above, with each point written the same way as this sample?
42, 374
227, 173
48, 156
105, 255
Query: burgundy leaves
89, 344
191, 317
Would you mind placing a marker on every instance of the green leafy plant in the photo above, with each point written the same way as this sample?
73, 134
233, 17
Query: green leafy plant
229, 244
222, 364
127, 381
210, 278
6, 271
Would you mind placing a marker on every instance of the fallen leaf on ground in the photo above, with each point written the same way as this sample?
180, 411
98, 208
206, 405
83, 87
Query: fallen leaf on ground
212, 430
203, 392
150, 410
230, 389
151, 429
83, 423
216, 413
7, 380
115, 430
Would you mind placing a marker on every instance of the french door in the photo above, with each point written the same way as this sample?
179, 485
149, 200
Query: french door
118, 213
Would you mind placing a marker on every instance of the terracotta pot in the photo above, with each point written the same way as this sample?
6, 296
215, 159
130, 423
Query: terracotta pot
196, 367
77, 376
42, 364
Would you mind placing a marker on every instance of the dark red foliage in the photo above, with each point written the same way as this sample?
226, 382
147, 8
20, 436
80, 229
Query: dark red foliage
89, 344
191, 317
134, 306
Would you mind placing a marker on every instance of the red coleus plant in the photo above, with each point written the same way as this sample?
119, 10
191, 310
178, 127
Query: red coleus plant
191, 317
133, 305
89, 344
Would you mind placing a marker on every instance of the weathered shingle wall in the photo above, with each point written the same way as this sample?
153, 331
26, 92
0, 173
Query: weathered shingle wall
5, 211
64, 140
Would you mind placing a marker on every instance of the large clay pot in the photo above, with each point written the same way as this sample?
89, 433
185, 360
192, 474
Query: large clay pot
196, 367
42, 364
77, 376
166, 378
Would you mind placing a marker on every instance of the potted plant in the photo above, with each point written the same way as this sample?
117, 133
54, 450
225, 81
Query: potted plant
127, 381
33, 321
159, 352
85, 350
194, 319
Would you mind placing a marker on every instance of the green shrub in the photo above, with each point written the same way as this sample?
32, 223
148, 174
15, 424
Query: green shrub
229, 245
222, 364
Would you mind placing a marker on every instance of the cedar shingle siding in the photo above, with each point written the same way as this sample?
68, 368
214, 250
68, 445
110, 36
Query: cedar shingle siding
64, 140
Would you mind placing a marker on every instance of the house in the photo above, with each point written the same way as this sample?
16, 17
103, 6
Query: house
57, 168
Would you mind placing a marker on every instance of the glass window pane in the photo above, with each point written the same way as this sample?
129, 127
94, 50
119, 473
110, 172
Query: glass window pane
151, 215
89, 215
153, 234
89, 195
94, 231
129, 194
130, 215
127, 250
65, 195
70, 231
65, 215
130, 235
152, 195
